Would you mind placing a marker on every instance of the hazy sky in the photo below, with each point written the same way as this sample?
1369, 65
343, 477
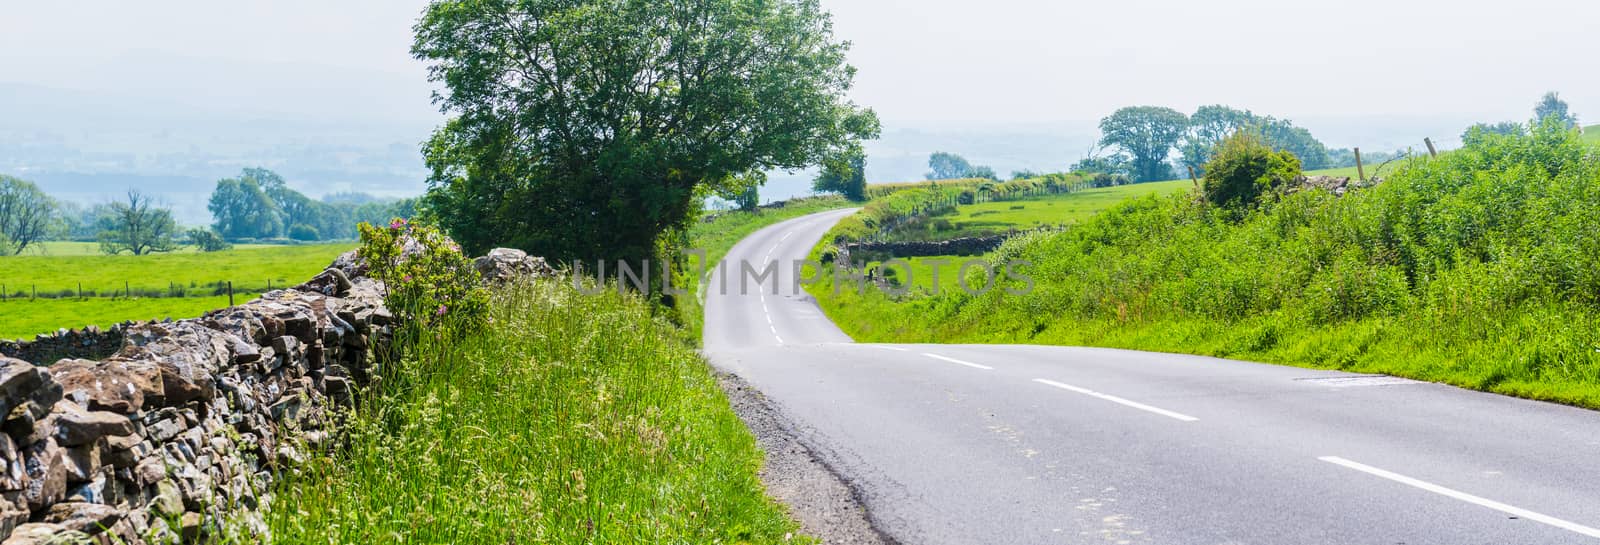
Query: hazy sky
1003, 61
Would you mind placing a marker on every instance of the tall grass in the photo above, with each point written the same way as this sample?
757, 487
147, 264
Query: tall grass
1480, 268
570, 419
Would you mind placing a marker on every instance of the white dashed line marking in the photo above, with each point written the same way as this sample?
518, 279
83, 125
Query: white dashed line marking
894, 348
1118, 400
1463, 496
959, 362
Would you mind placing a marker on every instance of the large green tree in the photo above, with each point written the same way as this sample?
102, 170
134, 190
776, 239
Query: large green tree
586, 129
1551, 105
845, 174
1283, 135
1147, 134
1208, 127
26, 214
243, 210
138, 227
1211, 125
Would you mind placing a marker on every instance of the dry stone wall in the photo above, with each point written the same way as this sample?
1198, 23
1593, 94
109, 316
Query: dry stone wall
173, 432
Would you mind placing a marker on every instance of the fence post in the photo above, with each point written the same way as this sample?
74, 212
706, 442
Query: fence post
1431, 152
80, 290
3, 295
126, 291
1361, 170
230, 293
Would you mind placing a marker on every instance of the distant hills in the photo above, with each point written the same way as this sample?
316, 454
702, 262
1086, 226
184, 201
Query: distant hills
90, 146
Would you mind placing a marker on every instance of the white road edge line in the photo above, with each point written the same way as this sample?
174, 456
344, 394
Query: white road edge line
894, 348
959, 362
1118, 400
1463, 496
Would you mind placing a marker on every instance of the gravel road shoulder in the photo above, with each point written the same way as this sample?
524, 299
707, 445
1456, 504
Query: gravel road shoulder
823, 503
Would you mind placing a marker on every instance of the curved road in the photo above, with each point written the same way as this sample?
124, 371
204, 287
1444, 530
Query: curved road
1030, 445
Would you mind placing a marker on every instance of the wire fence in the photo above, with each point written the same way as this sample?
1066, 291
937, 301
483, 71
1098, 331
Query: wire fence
142, 289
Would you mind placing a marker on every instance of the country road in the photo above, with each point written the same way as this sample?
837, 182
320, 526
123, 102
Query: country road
967, 444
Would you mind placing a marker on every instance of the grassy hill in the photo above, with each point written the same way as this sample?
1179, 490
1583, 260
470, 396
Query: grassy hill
1592, 133
1480, 268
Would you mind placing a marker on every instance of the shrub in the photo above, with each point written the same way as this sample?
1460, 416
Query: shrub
304, 233
1244, 168
207, 240
428, 282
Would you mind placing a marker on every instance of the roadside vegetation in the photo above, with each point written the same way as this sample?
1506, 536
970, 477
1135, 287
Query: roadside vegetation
1478, 268
548, 416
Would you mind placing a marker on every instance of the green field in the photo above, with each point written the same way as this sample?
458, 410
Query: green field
1592, 133
998, 217
192, 276
569, 419
249, 268
22, 319
1477, 269
57, 248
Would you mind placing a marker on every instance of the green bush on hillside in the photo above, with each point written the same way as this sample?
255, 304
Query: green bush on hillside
1244, 168
426, 278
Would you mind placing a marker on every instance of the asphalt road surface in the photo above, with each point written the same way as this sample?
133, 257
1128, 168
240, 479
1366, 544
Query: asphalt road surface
1028, 444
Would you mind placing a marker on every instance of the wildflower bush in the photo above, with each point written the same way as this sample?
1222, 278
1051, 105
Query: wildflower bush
428, 281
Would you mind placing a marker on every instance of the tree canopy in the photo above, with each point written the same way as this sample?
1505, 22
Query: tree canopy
1550, 106
949, 166
259, 204
138, 227
1210, 125
1147, 134
26, 215
845, 174
243, 210
589, 128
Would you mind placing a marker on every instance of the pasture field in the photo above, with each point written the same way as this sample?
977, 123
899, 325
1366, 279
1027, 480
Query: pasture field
62, 248
1592, 133
22, 319
249, 268
871, 312
175, 285
1060, 209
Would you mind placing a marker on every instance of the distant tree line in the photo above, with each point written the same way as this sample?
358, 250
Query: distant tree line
1142, 140
259, 205
256, 206
1550, 108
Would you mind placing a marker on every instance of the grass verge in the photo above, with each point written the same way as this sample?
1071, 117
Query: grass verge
570, 419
